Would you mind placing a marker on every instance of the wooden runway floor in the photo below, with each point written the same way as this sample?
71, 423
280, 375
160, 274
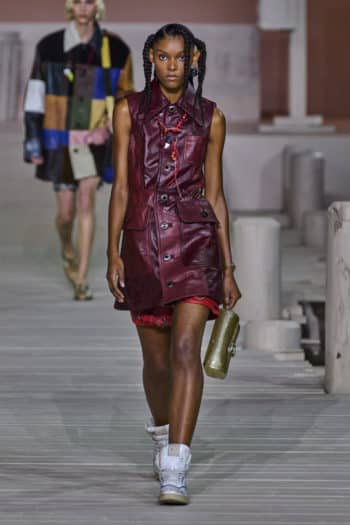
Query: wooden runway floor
270, 447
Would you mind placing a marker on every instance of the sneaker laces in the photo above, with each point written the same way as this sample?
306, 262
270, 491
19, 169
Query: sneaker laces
172, 477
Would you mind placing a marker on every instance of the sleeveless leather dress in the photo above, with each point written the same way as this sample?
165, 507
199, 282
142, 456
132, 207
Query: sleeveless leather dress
170, 245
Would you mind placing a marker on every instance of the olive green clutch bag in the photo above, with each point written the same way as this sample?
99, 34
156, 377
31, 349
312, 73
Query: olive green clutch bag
222, 344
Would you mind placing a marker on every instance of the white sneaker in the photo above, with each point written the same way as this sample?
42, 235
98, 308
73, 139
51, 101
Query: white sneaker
160, 437
174, 462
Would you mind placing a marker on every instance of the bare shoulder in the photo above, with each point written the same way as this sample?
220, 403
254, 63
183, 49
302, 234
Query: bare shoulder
121, 115
218, 126
218, 119
121, 108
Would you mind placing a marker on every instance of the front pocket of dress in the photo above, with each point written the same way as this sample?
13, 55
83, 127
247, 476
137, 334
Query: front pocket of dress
135, 232
199, 240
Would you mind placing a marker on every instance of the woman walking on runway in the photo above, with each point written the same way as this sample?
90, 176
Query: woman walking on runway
67, 124
175, 265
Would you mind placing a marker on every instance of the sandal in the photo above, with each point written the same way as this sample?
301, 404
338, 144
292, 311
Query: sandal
70, 267
82, 292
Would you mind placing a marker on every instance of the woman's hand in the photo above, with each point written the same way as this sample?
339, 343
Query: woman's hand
231, 290
115, 275
38, 161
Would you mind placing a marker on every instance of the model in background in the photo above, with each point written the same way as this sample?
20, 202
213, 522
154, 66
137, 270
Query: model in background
175, 265
67, 123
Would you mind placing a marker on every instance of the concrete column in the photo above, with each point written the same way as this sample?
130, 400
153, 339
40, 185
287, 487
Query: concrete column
337, 378
282, 337
278, 14
298, 63
307, 185
256, 252
10, 54
314, 229
287, 156
292, 15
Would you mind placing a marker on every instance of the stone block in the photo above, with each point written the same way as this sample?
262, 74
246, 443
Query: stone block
307, 184
287, 154
256, 253
314, 229
273, 336
337, 378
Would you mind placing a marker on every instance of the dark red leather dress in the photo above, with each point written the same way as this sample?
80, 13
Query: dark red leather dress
170, 246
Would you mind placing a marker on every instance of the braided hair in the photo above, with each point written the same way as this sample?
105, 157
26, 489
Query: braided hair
190, 41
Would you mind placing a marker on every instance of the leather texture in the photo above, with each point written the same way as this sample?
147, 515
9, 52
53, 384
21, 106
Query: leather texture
66, 103
170, 245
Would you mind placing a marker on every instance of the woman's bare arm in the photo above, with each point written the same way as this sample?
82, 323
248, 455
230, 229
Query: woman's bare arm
215, 195
119, 196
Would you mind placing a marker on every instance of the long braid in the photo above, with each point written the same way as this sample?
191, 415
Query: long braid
201, 71
190, 41
147, 68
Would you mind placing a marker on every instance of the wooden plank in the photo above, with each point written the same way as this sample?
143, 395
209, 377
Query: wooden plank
270, 447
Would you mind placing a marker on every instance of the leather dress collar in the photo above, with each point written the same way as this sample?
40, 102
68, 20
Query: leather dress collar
159, 102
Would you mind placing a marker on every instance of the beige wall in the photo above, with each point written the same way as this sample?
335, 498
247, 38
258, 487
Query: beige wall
201, 11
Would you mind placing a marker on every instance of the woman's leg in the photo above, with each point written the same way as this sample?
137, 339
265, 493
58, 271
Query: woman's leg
186, 370
155, 344
86, 230
65, 220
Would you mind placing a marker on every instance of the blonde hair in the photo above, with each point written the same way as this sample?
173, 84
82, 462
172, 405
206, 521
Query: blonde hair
101, 9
